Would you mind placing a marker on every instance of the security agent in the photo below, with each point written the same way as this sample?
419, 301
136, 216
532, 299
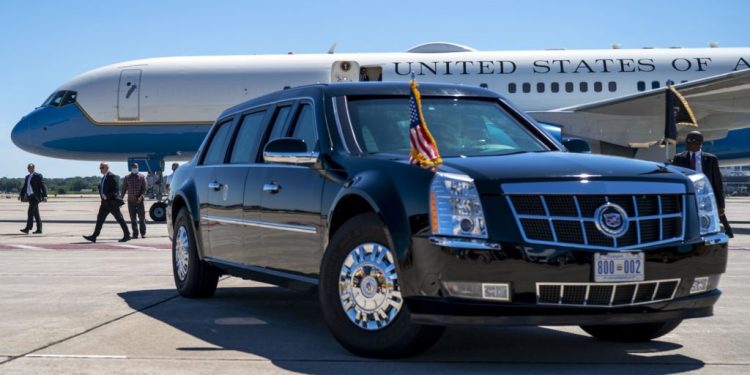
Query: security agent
110, 193
694, 158
34, 192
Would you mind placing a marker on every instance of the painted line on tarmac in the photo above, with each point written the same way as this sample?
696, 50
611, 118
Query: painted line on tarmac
27, 247
88, 246
85, 356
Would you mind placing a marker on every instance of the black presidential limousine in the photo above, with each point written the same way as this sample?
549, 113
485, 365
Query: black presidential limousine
311, 188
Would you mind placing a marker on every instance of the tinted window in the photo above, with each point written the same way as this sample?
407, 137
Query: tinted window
247, 138
218, 147
598, 86
612, 86
279, 121
540, 87
305, 128
554, 87
655, 84
56, 99
641, 86
526, 87
70, 98
568, 86
459, 126
584, 86
512, 88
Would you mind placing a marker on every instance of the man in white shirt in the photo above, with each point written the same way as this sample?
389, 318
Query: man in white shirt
169, 178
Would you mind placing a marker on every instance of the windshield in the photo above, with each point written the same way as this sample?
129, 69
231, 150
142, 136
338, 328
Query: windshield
461, 127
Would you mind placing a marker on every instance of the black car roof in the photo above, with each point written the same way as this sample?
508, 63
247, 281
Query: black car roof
364, 88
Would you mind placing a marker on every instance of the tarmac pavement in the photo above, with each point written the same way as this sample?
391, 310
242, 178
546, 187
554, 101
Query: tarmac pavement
69, 306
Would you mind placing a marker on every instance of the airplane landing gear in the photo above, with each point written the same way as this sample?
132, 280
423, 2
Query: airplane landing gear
158, 212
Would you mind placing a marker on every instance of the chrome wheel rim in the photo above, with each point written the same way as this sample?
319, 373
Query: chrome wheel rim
182, 252
369, 287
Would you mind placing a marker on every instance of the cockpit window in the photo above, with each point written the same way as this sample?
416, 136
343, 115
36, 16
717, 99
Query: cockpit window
61, 98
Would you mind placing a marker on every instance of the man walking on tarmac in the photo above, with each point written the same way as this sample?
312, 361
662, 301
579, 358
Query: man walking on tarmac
134, 185
110, 193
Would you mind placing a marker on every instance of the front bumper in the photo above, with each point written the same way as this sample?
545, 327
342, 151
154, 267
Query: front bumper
432, 263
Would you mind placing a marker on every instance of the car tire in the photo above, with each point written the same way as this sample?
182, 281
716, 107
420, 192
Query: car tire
193, 277
398, 336
632, 332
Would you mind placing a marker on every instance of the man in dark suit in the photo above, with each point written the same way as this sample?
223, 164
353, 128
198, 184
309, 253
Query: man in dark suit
34, 192
694, 158
109, 191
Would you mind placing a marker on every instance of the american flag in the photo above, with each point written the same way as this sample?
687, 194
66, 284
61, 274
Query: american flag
424, 150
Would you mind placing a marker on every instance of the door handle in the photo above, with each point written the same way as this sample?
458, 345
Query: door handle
271, 188
214, 185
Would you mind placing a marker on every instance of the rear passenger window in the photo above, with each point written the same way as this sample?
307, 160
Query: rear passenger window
218, 147
247, 138
305, 128
278, 123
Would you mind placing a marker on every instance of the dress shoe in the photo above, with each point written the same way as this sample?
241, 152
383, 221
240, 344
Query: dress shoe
90, 238
25, 230
135, 237
124, 239
38, 231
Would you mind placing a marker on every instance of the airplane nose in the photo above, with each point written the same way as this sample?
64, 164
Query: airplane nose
17, 135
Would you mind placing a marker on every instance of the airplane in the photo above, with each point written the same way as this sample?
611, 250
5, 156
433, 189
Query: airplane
154, 109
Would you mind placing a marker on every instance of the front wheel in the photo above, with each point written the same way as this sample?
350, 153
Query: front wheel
360, 294
632, 332
192, 277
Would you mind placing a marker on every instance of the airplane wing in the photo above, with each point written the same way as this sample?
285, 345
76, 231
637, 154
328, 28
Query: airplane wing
720, 103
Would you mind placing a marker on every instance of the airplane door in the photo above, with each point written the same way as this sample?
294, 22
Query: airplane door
129, 95
345, 71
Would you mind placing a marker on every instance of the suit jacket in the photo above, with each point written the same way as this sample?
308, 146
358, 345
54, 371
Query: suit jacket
37, 187
710, 166
111, 188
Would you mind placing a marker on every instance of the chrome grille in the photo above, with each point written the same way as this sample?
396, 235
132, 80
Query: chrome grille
568, 219
606, 294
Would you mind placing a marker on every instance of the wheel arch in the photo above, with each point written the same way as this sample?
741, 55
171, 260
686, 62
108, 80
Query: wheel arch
179, 202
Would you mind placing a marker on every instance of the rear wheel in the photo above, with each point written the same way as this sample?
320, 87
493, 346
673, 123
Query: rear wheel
361, 297
632, 332
192, 277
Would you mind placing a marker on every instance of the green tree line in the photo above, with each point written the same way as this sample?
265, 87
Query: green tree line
72, 185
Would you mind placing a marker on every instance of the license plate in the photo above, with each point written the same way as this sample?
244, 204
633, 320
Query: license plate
614, 267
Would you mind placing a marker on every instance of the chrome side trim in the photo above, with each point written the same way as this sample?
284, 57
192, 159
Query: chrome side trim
262, 224
716, 239
593, 187
263, 270
464, 243
613, 292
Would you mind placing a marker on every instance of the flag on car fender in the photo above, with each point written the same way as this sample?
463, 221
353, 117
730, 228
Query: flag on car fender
424, 150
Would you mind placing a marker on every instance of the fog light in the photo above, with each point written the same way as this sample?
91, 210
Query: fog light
462, 289
700, 284
499, 292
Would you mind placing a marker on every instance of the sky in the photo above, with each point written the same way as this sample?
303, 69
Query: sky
45, 43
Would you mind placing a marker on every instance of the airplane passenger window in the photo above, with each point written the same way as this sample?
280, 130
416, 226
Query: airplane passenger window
218, 147
612, 86
584, 86
512, 88
540, 87
655, 84
526, 87
247, 138
568, 86
554, 87
305, 128
598, 86
641, 86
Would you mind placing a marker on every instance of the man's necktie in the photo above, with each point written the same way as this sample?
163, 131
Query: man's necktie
692, 160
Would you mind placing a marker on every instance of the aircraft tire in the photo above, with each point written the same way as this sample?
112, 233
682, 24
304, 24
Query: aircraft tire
158, 212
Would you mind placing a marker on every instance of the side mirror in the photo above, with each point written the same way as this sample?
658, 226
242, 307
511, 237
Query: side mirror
289, 151
577, 145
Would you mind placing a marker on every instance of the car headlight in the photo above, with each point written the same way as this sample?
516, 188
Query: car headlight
455, 208
708, 215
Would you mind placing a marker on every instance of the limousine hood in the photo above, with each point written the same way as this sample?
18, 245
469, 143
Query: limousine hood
540, 166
